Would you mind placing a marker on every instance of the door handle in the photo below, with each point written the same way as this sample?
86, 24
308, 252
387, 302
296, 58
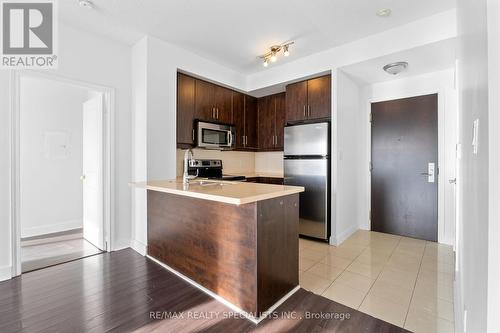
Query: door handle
431, 167
452, 181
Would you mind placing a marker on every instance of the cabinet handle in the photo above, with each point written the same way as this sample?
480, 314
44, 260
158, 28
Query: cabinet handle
217, 113
304, 110
246, 140
193, 134
213, 112
309, 111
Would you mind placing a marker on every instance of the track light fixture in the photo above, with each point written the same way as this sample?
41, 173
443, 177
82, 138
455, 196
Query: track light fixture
272, 55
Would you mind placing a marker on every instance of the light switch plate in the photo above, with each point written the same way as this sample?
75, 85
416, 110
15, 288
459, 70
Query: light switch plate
475, 136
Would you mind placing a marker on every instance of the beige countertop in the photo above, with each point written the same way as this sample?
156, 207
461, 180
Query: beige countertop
236, 193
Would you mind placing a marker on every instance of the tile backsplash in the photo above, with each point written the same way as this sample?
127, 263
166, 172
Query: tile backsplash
235, 162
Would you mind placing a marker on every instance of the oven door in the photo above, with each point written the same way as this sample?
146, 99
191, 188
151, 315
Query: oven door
214, 136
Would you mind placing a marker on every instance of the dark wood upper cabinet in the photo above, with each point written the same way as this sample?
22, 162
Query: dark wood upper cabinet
205, 100
319, 95
271, 121
223, 105
185, 109
266, 122
308, 100
239, 118
251, 132
296, 101
280, 104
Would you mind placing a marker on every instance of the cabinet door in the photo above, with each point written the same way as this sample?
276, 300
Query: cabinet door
185, 109
266, 122
251, 125
223, 107
296, 101
204, 101
239, 118
280, 119
319, 95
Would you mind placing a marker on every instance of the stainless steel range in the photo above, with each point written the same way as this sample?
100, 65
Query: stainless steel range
211, 169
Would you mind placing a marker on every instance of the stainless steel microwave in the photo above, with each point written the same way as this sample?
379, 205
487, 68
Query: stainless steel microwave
215, 135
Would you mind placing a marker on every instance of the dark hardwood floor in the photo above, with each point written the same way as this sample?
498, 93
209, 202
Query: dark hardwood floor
123, 292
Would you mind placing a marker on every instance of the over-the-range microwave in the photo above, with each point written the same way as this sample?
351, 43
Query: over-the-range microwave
215, 135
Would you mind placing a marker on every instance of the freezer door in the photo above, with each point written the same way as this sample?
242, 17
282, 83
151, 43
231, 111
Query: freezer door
307, 139
313, 175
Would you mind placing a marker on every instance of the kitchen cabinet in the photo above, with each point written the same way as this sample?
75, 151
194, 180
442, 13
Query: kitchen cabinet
245, 121
251, 132
309, 100
185, 110
212, 102
271, 121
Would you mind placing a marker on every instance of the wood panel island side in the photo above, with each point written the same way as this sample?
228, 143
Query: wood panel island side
238, 240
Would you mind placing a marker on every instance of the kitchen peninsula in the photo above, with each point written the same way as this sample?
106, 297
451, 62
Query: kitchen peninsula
238, 240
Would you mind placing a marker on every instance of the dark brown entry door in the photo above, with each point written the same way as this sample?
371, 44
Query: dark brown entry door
404, 195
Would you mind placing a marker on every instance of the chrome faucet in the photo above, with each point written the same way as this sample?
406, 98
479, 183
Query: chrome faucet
186, 176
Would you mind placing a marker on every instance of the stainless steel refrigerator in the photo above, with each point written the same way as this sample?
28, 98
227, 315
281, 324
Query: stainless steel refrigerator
307, 164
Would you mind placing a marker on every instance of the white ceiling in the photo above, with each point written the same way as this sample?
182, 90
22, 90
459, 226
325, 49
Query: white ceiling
425, 59
234, 32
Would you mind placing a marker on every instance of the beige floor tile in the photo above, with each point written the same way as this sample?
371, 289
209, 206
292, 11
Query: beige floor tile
400, 278
313, 283
355, 281
371, 271
312, 253
345, 295
319, 246
435, 277
346, 253
391, 293
326, 271
380, 308
434, 305
436, 266
370, 257
335, 261
305, 263
434, 290
419, 321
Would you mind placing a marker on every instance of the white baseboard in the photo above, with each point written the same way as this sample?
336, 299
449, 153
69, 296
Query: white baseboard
339, 239
5, 273
51, 228
230, 305
139, 247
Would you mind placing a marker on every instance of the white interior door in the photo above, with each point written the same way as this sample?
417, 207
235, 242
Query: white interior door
93, 187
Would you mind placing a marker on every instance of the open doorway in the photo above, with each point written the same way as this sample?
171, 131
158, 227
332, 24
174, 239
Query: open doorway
60, 172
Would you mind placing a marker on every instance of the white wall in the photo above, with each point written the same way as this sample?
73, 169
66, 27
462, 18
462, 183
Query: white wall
156, 63
443, 83
472, 247
51, 198
93, 59
346, 157
494, 160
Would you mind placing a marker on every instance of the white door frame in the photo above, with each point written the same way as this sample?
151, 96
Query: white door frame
442, 181
109, 158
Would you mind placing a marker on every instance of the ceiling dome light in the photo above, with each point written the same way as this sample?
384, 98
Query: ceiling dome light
286, 52
86, 4
266, 63
396, 67
385, 12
